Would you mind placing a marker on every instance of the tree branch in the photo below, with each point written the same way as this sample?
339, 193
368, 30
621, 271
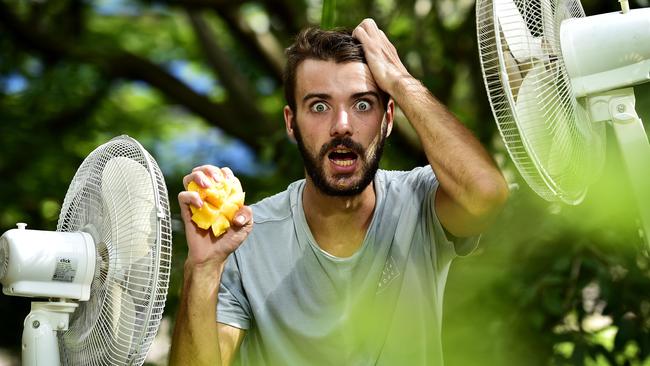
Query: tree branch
237, 85
241, 93
262, 46
122, 64
81, 111
292, 15
197, 4
224, 116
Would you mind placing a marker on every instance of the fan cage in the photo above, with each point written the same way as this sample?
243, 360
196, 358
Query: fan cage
130, 223
546, 131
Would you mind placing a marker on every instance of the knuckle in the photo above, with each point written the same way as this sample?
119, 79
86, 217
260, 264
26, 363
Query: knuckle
228, 173
204, 168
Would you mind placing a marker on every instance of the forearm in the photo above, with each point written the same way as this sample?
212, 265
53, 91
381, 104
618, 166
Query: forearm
463, 167
196, 340
471, 190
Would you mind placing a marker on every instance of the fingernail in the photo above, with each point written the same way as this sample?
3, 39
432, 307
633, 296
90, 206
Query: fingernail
241, 220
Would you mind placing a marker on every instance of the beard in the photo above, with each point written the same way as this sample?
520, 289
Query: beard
314, 163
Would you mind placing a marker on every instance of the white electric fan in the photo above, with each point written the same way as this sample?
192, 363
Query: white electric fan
106, 268
554, 77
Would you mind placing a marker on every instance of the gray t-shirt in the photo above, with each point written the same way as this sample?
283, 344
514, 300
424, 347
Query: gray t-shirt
381, 306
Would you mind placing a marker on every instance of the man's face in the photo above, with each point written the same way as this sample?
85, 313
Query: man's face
339, 124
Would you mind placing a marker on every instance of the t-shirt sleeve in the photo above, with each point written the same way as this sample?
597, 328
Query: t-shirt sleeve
462, 245
447, 245
232, 307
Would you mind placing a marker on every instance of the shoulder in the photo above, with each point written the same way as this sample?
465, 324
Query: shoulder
273, 216
273, 208
417, 179
279, 206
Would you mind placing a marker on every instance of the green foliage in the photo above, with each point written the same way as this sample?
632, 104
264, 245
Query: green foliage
550, 284
328, 19
554, 284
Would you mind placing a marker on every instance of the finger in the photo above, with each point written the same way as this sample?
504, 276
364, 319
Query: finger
368, 30
211, 171
367, 22
204, 167
369, 42
216, 174
370, 26
187, 179
388, 43
243, 217
228, 174
187, 198
360, 33
200, 178
384, 37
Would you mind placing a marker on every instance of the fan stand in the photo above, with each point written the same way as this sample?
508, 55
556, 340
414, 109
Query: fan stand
40, 344
618, 106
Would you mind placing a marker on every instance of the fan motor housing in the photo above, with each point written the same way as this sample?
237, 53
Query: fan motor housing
607, 51
47, 263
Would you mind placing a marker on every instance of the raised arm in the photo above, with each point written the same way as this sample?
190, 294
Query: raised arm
472, 190
198, 339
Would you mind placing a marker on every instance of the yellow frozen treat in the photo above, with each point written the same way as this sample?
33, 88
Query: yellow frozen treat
221, 200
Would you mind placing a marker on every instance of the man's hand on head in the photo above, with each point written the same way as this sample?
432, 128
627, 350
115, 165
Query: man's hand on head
381, 56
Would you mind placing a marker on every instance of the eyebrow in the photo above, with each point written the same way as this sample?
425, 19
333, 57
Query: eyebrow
365, 94
327, 96
316, 95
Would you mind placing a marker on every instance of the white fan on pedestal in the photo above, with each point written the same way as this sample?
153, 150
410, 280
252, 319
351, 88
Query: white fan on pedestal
554, 77
106, 268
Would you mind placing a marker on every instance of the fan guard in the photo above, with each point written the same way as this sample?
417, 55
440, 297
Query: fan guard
118, 195
546, 130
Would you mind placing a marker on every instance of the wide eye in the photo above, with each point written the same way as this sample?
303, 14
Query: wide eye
319, 107
363, 105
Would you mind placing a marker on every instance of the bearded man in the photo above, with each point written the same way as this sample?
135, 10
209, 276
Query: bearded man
347, 266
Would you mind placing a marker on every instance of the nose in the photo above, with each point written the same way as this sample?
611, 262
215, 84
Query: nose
341, 125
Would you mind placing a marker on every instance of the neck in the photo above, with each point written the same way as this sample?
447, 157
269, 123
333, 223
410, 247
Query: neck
315, 200
338, 223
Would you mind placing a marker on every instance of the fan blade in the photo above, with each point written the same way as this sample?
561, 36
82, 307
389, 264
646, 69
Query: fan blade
131, 208
553, 13
546, 133
556, 133
123, 317
518, 38
513, 73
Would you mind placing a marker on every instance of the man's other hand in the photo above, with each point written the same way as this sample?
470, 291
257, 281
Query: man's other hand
206, 251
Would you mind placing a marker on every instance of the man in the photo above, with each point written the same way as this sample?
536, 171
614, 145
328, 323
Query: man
348, 266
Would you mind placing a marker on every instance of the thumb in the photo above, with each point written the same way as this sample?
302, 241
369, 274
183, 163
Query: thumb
243, 216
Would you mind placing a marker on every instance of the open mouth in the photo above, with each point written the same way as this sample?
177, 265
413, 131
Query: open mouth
342, 157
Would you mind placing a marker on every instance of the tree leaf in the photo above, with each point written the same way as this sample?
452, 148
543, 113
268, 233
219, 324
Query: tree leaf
328, 16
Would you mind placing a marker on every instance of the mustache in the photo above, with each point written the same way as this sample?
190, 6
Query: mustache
342, 141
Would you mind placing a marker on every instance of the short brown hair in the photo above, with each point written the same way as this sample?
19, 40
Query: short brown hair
336, 45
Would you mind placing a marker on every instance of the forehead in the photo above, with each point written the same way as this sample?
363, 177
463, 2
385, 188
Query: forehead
335, 79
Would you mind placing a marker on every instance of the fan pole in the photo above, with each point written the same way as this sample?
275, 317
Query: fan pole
635, 150
40, 343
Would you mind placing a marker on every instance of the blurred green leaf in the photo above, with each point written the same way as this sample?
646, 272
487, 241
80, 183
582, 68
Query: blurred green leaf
328, 17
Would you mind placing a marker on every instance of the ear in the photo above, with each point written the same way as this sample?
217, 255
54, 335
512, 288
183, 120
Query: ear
288, 118
389, 116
